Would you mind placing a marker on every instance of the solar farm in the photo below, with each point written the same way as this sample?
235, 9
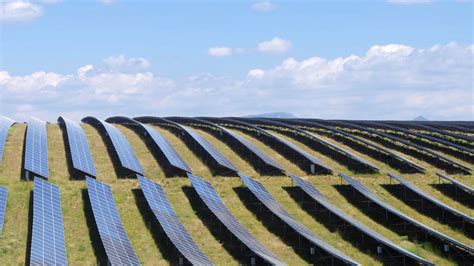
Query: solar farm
236, 191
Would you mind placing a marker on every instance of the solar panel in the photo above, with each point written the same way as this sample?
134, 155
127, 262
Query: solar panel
165, 146
288, 145
173, 158
169, 221
457, 183
365, 142
36, 149
212, 200
80, 153
427, 197
5, 124
48, 246
263, 157
429, 152
127, 157
267, 199
297, 149
114, 238
311, 191
423, 136
356, 159
3, 206
210, 149
367, 193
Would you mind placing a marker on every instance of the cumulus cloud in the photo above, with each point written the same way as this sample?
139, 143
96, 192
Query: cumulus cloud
392, 81
275, 46
219, 51
263, 6
19, 11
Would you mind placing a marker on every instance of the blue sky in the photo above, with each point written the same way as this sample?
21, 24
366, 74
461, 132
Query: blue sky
165, 50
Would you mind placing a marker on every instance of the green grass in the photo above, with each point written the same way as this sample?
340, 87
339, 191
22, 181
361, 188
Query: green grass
13, 241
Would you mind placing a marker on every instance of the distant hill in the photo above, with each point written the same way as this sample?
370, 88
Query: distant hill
420, 118
273, 115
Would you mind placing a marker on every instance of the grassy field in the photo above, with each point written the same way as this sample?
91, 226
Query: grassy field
81, 242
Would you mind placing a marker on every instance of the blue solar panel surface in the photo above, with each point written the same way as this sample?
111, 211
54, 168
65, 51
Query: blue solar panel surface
407, 143
323, 142
256, 151
303, 153
212, 200
112, 233
170, 153
5, 124
127, 157
169, 221
456, 183
370, 144
311, 191
48, 246
427, 197
3, 206
79, 147
366, 192
423, 136
210, 149
269, 201
36, 148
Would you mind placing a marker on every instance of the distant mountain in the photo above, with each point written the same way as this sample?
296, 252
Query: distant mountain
420, 118
273, 115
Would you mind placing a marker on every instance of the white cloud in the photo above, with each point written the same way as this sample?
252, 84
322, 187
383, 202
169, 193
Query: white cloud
409, 2
275, 46
387, 82
219, 51
121, 61
19, 11
263, 6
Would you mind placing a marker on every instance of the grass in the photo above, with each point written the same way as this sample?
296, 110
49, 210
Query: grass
80, 247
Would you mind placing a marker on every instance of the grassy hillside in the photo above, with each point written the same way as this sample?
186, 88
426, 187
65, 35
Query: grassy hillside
81, 240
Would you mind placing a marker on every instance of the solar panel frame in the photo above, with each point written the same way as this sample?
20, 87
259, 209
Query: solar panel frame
171, 224
361, 140
262, 194
36, 148
456, 183
3, 206
420, 135
310, 158
367, 193
209, 148
48, 245
321, 141
128, 159
80, 152
312, 192
265, 158
115, 240
170, 154
212, 200
407, 184
5, 124
165, 146
454, 164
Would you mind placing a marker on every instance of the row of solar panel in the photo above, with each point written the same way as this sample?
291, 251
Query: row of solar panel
36, 147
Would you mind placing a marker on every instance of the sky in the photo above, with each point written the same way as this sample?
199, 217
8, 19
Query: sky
394, 59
